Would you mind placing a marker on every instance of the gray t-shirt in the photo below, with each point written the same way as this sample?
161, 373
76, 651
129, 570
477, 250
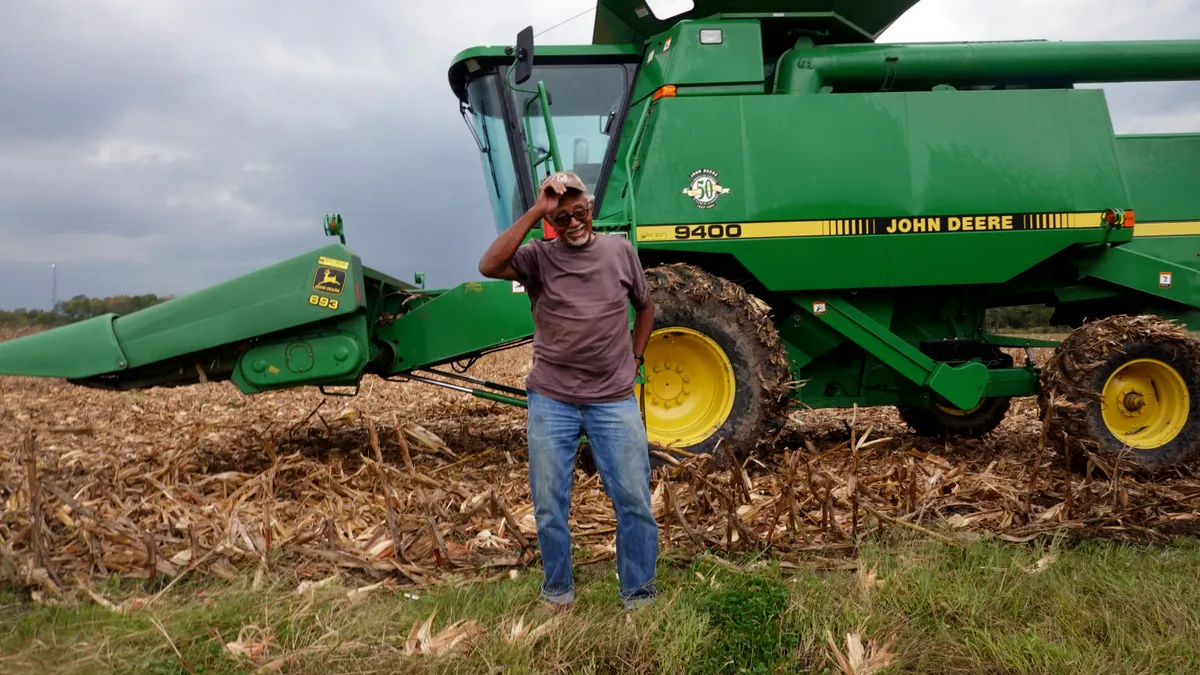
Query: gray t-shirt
582, 344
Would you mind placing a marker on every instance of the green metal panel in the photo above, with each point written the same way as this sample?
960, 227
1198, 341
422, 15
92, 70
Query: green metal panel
1012, 382
1147, 275
272, 299
899, 189
318, 286
614, 204
1162, 172
962, 386
1023, 151
878, 358
883, 156
1183, 250
830, 386
78, 350
678, 58
460, 322
322, 359
821, 263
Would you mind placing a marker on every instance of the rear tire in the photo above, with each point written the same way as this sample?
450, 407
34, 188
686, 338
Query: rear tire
1125, 387
715, 366
939, 421
945, 420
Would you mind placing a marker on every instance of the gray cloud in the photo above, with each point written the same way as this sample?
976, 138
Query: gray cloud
162, 147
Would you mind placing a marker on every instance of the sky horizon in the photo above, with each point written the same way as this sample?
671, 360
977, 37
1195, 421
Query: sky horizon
162, 148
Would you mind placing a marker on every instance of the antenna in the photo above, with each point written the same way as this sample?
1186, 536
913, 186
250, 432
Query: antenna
563, 23
54, 286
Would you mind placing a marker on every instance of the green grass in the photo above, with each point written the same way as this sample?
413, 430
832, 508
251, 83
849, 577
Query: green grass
1096, 607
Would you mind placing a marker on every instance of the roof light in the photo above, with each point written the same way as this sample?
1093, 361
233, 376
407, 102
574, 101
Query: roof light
711, 36
669, 9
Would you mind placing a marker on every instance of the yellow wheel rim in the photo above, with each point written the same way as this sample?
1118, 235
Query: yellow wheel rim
956, 412
1145, 403
689, 387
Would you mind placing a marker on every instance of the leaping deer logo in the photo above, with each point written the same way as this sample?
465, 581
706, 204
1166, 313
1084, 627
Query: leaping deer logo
331, 278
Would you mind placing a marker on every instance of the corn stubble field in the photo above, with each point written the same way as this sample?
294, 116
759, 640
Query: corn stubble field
199, 529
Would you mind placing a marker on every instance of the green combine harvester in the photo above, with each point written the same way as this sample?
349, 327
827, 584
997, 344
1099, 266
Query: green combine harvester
823, 220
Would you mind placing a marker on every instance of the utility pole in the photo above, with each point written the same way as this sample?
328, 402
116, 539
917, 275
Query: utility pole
54, 286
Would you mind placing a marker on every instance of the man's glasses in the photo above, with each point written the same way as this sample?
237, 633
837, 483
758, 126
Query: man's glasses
564, 219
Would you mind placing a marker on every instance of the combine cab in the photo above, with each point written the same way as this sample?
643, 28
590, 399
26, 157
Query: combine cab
824, 221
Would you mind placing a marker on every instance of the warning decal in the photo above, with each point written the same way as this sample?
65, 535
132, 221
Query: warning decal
333, 262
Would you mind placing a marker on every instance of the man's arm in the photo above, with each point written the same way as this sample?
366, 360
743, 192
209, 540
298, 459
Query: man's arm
496, 262
643, 324
643, 317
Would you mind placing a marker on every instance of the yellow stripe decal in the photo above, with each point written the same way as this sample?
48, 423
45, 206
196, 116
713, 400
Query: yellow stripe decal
1181, 228
890, 226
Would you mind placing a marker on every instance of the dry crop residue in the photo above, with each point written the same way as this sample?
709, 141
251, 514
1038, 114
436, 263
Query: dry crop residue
416, 485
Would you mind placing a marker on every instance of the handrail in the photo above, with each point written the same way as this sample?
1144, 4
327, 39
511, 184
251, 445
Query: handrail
544, 100
629, 158
552, 154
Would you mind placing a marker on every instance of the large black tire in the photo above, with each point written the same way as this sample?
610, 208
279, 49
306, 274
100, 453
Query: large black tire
1073, 388
935, 422
687, 297
943, 420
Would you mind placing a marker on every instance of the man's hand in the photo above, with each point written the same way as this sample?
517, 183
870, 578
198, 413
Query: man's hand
496, 262
549, 194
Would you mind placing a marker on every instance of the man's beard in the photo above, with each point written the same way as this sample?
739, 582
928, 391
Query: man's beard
580, 238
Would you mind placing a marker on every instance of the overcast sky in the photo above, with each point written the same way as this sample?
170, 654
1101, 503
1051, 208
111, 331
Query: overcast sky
163, 146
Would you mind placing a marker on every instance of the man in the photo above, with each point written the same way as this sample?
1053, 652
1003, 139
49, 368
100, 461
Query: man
585, 362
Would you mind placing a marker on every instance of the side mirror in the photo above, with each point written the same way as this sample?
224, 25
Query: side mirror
524, 68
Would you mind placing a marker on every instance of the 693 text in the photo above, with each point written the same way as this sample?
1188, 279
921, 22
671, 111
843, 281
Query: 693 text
322, 301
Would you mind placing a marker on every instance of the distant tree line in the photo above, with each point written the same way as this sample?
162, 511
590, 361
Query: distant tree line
78, 308
1024, 318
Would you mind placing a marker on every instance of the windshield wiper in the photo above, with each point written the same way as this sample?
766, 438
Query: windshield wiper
463, 107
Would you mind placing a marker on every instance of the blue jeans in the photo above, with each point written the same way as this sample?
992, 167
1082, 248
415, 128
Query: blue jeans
618, 440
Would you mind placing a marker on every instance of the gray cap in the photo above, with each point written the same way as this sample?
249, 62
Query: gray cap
571, 181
